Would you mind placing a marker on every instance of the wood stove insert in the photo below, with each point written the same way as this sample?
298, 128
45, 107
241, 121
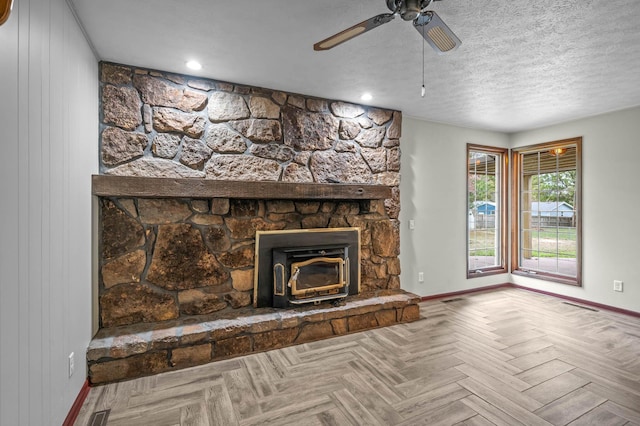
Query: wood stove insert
306, 266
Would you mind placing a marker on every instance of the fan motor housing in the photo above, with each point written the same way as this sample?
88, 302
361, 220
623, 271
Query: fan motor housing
408, 9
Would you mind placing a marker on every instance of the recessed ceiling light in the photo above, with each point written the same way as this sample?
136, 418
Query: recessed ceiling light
366, 97
194, 65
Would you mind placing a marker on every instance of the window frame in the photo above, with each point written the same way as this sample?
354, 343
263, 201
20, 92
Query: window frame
516, 211
500, 211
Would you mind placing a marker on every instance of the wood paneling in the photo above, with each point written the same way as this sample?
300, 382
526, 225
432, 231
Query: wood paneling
48, 117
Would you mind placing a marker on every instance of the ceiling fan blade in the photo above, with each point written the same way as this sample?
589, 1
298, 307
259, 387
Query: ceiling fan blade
436, 32
354, 31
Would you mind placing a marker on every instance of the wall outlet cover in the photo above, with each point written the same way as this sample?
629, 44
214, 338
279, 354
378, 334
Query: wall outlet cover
617, 285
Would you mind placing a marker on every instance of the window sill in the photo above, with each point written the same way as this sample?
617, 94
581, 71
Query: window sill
548, 277
486, 272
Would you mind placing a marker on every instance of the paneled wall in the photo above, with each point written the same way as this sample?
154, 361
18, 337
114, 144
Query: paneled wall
48, 143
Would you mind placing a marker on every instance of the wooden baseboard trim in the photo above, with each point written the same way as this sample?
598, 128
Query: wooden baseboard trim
548, 293
77, 405
581, 301
461, 292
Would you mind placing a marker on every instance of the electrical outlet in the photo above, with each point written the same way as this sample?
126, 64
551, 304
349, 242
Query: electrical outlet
420, 277
617, 285
72, 364
412, 224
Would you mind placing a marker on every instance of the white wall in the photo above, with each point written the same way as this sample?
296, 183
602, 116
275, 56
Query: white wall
48, 150
611, 206
433, 192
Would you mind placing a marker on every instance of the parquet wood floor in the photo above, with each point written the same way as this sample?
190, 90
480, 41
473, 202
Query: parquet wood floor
506, 357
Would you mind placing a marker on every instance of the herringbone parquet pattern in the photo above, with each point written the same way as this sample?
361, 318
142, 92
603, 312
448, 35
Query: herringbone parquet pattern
507, 357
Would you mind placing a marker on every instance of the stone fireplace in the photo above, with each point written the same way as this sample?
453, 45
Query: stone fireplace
194, 173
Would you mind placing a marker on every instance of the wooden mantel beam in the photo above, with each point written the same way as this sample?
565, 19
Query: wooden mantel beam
152, 187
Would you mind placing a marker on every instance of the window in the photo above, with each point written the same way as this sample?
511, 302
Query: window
546, 211
486, 210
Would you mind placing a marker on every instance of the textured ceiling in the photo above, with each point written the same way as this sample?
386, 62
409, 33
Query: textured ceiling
523, 64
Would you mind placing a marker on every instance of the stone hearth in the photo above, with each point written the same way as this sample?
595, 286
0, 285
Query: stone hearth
121, 353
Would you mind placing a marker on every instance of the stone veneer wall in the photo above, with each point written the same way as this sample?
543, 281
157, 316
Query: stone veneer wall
162, 259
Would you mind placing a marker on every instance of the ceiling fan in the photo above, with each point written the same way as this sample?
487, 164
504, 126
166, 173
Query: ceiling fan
427, 22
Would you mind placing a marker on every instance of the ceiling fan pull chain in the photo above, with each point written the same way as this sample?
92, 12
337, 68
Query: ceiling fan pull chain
423, 41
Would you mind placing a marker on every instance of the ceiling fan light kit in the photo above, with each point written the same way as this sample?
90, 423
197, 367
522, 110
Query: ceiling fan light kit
427, 22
